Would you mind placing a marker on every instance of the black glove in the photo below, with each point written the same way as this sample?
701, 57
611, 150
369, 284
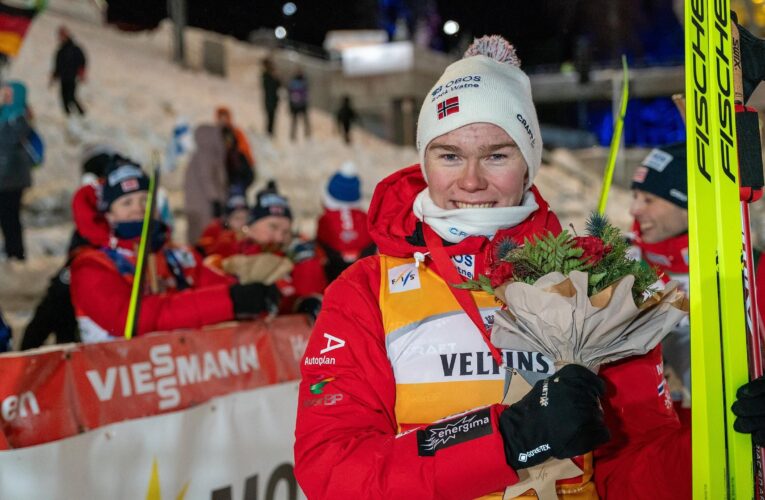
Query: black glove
217, 209
310, 306
560, 417
253, 299
749, 409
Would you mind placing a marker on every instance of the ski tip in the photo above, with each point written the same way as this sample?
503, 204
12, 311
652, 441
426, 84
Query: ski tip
494, 47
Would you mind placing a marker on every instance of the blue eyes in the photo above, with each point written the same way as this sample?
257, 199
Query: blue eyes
493, 157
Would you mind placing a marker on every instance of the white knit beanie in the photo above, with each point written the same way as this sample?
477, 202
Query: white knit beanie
486, 86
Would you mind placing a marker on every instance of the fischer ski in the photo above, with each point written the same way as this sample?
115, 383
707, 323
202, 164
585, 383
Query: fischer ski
722, 458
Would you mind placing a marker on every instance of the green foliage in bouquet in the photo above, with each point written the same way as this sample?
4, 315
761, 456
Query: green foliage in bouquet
602, 253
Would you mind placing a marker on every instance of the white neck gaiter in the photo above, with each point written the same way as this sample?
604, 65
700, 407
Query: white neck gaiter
457, 224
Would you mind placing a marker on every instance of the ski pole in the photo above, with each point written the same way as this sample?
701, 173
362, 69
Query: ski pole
616, 139
134, 309
750, 190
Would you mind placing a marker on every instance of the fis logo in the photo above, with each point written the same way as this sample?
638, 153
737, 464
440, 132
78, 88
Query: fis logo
403, 278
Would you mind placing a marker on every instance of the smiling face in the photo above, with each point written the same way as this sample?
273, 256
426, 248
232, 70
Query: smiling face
658, 218
475, 166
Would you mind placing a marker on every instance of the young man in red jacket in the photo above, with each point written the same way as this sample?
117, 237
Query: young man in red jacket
180, 291
393, 351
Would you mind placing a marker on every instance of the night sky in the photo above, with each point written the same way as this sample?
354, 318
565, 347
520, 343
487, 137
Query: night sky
545, 32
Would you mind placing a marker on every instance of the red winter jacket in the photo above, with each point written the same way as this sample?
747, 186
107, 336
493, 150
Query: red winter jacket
217, 239
90, 222
101, 292
347, 444
344, 238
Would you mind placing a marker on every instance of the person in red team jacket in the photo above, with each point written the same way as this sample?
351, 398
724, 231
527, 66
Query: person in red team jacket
393, 354
342, 232
224, 235
269, 230
180, 291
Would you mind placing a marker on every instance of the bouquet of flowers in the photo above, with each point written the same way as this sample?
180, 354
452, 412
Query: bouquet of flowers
575, 299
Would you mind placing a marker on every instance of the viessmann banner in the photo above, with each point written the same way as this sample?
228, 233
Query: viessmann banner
50, 395
237, 446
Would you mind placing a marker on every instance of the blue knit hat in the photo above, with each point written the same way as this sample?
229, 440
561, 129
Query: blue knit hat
343, 188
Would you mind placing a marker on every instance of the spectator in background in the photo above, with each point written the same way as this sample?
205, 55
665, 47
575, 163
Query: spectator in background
342, 231
205, 186
15, 165
346, 117
224, 235
181, 291
240, 164
298, 94
54, 313
271, 86
68, 68
269, 230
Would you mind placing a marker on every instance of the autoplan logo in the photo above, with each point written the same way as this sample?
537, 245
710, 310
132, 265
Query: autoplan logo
455, 431
524, 457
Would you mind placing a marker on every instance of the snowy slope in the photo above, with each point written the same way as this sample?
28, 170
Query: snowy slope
133, 95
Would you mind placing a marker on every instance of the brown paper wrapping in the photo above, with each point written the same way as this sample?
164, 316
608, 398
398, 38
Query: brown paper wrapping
266, 268
556, 317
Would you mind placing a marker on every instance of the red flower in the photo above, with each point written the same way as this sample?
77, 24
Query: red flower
593, 249
501, 273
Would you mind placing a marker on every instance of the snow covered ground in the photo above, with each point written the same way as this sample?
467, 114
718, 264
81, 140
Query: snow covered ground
133, 96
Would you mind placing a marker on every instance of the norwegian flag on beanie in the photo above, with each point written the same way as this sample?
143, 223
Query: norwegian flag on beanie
486, 86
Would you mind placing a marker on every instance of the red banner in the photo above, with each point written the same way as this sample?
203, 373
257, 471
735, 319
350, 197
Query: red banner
45, 396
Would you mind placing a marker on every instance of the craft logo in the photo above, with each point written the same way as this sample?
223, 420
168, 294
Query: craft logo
332, 343
318, 387
678, 195
455, 431
524, 457
528, 129
403, 278
164, 374
448, 107
657, 160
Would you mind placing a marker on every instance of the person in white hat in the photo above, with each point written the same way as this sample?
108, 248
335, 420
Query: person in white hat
397, 349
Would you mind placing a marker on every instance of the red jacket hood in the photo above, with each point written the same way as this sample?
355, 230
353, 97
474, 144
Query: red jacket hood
392, 220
